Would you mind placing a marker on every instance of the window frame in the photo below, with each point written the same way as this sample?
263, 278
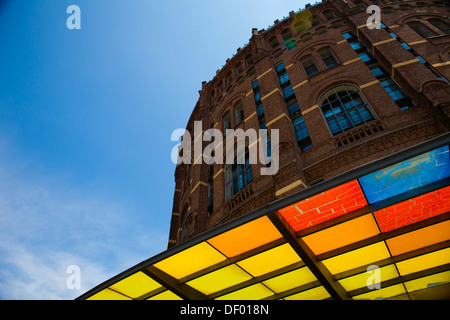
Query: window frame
239, 112
309, 58
422, 31
237, 176
340, 113
327, 50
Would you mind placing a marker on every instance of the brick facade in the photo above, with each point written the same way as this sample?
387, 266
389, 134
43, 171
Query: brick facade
395, 48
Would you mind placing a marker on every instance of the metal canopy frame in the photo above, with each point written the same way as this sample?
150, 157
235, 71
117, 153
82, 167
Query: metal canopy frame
294, 239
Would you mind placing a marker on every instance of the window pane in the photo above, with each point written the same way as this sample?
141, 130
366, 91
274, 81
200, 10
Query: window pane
347, 109
377, 71
328, 58
293, 108
440, 25
284, 78
420, 29
288, 91
348, 35
280, 67
309, 66
365, 56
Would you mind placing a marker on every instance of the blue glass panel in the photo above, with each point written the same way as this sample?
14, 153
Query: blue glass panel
280, 67
404, 45
293, 108
284, 78
348, 35
407, 175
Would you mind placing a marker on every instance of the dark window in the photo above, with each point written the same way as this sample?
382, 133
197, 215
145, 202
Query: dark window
315, 20
397, 94
421, 29
286, 34
183, 223
273, 42
302, 134
239, 112
440, 25
211, 190
328, 57
309, 66
248, 60
329, 14
226, 123
237, 175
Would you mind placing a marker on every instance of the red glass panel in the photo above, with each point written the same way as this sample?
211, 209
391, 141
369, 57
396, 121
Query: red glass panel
324, 206
413, 210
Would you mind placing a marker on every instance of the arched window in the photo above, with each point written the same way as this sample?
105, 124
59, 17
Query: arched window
421, 29
315, 20
273, 42
329, 14
328, 57
226, 123
229, 78
238, 69
309, 66
344, 108
210, 190
286, 34
237, 175
183, 223
438, 23
248, 60
239, 112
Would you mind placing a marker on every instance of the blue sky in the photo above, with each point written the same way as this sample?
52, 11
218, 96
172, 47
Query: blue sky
86, 117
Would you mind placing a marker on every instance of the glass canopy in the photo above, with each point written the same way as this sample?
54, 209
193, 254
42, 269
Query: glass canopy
388, 221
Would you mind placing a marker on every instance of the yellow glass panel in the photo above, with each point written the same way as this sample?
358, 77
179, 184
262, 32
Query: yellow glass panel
190, 260
246, 237
427, 282
423, 262
318, 293
420, 238
108, 294
357, 258
383, 293
255, 292
136, 285
219, 279
360, 280
270, 260
342, 234
166, 295
290, 280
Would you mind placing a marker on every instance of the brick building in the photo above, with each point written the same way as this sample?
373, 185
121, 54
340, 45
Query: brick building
341, 94
360, 205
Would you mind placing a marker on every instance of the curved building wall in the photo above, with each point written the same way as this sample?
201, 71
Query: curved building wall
340, 94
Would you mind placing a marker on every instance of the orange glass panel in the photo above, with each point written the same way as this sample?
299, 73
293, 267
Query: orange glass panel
342, 234
420, 238
416, 209
325, 206
246, 237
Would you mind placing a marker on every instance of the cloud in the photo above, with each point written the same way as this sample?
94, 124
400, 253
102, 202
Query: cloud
48, 224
